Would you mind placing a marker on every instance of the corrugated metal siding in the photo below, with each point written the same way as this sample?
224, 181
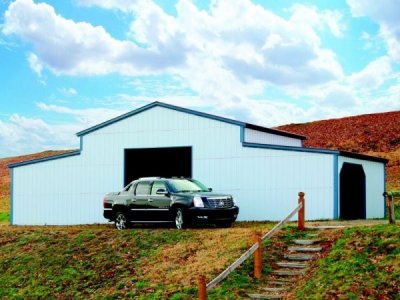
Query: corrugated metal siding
264, 182
375, 185
53, 192
259, 137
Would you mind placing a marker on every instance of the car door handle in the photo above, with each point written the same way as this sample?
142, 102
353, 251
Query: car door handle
150, 200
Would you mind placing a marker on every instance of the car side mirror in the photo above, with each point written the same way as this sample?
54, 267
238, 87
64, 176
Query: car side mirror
162, 192
210, 189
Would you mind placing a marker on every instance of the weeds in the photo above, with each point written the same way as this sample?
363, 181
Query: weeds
364, 263
4, 217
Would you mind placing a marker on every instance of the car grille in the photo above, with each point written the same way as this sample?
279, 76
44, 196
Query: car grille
220, 202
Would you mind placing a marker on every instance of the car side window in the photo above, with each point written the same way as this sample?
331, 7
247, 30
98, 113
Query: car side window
156, 186
142, 188
128, 187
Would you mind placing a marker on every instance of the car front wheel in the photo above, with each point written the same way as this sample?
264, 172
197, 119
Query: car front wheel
180, 220
121, 221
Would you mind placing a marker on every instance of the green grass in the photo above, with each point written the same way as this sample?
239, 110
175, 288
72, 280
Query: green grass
397, 212
364, 263
98, 262
4, 217
81, 264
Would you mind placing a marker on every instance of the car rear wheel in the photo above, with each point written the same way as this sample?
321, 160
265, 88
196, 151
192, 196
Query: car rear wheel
180, 219
121, 221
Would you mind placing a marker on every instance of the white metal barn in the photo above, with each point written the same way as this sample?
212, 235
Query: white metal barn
262, 168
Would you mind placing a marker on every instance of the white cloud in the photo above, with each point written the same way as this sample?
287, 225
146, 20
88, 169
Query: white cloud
21, 135
35, 64
223, 58
339, 97
386, 14
373, 75
82, 49
85, 117
311, 16
68, 91
123, 5
177, 45
224, 66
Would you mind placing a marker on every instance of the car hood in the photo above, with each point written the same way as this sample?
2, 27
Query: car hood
203, 194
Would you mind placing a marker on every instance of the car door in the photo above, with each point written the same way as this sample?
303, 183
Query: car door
127, 196
141, 204
159, 203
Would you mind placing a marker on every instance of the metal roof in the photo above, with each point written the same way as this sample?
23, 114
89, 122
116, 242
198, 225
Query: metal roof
192, 112
210, 116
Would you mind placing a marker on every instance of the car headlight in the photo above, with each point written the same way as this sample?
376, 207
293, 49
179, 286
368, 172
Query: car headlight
234, 201
198, 202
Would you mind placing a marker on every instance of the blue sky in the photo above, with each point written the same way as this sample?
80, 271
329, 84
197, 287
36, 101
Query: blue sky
68, 65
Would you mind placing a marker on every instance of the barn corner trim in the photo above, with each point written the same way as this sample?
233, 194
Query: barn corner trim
12, 197
336, 186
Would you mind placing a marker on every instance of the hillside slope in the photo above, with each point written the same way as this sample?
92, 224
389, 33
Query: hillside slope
372, 134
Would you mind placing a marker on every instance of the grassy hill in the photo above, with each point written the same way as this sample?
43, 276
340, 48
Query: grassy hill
372, 134
99, 262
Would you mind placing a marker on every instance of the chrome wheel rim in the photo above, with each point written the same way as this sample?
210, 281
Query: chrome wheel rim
179, 219
120, 222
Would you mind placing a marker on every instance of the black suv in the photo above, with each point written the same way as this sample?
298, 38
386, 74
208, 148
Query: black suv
183, 201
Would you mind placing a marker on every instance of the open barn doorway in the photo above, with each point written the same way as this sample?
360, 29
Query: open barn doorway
352, 192
162, 162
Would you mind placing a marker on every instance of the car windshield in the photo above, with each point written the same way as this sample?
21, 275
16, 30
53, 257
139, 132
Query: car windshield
187, 186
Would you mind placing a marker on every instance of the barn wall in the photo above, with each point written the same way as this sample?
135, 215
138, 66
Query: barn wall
375, 185
54, 192
259, 137
265, 182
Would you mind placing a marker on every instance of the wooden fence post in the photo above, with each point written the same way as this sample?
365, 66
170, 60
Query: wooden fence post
257, 256
202, 289
300, 222
390, 208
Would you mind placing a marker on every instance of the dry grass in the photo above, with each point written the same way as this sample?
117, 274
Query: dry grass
97, 261
4, 203
186, 260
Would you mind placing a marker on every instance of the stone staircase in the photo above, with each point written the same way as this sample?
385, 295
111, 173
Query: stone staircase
294, 264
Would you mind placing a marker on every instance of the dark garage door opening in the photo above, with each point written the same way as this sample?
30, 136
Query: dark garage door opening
352, 192
162, 162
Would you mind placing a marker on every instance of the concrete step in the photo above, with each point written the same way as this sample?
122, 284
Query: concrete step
295, 265
305, 249
306, 242
280, 282
299, 256
310, 235
265, 296
324, 227
284, 272
274, 289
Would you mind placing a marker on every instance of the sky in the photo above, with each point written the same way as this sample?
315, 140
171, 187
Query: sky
68, 65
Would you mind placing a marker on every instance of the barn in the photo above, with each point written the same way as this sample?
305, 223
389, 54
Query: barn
263, 168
